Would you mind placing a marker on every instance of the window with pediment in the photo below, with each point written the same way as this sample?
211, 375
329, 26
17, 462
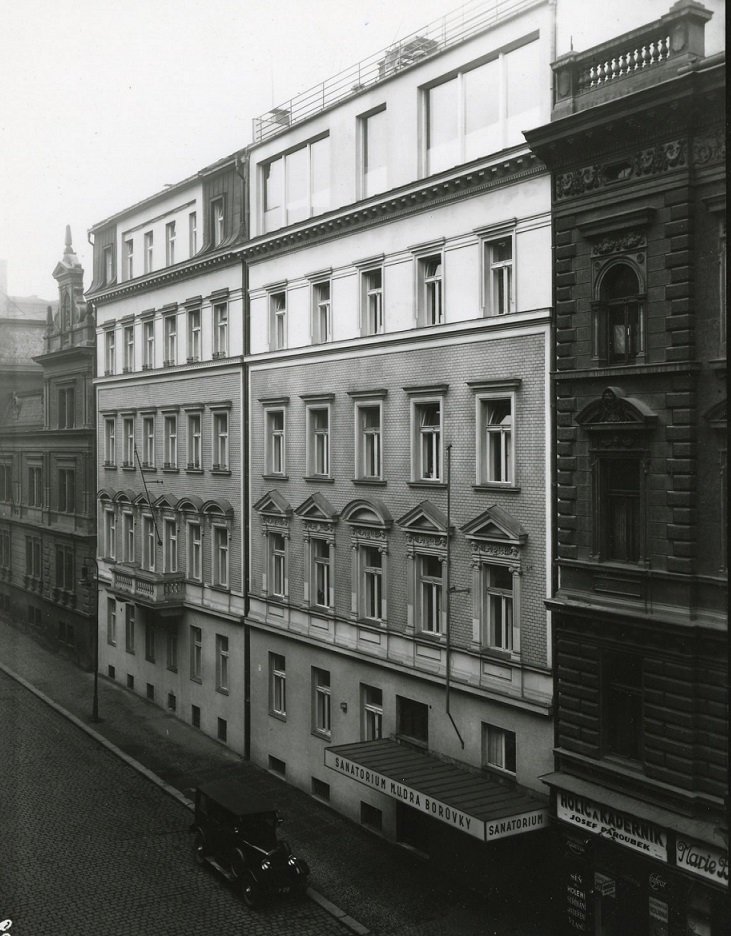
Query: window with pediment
496, 540
275, 514
619, 308
426, 578
318, 519
369, 524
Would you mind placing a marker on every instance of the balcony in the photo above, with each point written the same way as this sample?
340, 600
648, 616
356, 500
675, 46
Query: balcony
161, 591
638, 59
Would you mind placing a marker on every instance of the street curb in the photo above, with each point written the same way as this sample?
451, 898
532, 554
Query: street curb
314, 895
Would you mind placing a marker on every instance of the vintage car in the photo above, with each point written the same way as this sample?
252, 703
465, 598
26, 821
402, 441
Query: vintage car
236, 833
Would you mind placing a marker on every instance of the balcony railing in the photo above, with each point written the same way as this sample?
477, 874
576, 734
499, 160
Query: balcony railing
449, 30
645, 56
159, 590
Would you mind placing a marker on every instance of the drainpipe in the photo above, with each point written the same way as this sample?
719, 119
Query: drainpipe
449, 592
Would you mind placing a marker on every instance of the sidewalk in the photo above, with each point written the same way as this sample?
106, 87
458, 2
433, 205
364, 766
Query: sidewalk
385, 889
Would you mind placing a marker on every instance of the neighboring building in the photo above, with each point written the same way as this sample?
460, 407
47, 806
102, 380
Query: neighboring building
636, 147
167, 291
47, 477
23, 322
400, 289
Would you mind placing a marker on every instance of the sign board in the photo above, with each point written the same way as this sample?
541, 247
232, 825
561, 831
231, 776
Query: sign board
702, 859
605, 885
620, 827
576, 902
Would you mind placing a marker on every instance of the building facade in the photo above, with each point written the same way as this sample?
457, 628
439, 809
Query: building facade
47, 475
636, 149
400, 286
169, 312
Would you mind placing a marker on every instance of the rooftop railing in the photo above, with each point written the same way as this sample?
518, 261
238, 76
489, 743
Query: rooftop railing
449, 30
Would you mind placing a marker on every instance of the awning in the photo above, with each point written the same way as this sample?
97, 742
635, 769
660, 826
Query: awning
474, 803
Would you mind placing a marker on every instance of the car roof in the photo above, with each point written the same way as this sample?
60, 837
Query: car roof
233, 796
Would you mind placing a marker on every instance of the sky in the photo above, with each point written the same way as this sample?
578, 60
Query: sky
104, 102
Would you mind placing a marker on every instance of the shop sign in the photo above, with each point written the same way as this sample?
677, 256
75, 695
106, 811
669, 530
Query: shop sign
620, 827
605, 885
701, 859
659, 916
576, 901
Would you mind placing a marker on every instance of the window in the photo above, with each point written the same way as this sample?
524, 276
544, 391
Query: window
322, 590
220, 556
275, 441
194, 335
129, 253
495, 453
109, 352
194, 551
192, 234
321, 709
33, 557
196, 653
112, 622
195, 716
297, 186
277, 685
148, 252
65, 578
318, 440
370, 817
278, 320
371, 592
35, 486
66, 408
412, 721
278, 564
128, 338
321, 318
129, 628
619, 509
320, 789
430, 586
108, 265
148, 344
217, 221
6, 483
484, 109
372, 301
109, 442
622, 705
619, 318
170, 323
221, 729
66, 490
170, 542
374, 149
171, 651
221, 663
498, 749
110, 534
497, 608
5, 549
372, 713
150, 689
128, 523
148, 442
171, 442
194, 441
498, 266
148, 544
170, 243
427, 446
220, 329
220, 441
368, 441
149, 642
128, 435
430, 296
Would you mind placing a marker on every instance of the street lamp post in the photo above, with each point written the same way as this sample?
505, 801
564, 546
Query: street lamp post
86, 569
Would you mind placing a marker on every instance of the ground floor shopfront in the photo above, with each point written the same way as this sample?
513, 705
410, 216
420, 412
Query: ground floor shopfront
626, 868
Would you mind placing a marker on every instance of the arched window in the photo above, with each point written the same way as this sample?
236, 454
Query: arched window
619, 322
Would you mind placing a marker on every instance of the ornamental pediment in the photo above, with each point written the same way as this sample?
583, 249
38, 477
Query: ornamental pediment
424, 519
317, 509
365, 513
496, 525
273, 504
614, 407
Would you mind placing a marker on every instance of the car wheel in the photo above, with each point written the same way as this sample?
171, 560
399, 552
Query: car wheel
250, 891
199, 849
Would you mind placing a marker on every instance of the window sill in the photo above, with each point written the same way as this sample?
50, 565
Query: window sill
500, 656
128, 468
109, 467
374, 482
221, 472
322, 735
375, 624
496, 486
499, 773
130, 651
430, 637
427, 484
194, 471
196, 679
220, 588
222, 690
172, 669
171, 471
276, 477
280, 716
322, 611
322, 479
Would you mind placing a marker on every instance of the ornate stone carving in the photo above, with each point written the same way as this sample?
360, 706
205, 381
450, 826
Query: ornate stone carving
619, 243
494, 551
429, 540
709, 149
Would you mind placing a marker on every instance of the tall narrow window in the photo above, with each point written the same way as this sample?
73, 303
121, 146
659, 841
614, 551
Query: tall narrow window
128, 336
321, 318
170, 243
129, 536
109, 352
499, 299
322, 720
108, 265
374, 148
194, 551
278, 684
171, 650
619, 319
619, 504
372, 301
622, 705
278, 320
371, 570
221, 663
498, 607
428, 441
150, 641
369, 441
110, 534
430, 585
148, 442
194, 441
431, 311
321, 573
129, 256
148, 344
217, 221
194, 335
220, 556
171, 339
192, 234
129, 628
148, 543
109, 442
220, 441
318, 440
278, 564
496, 442
112, 622
220, 329
148, 252
67, 490
66, 408
275, 441
171, 546
171, 442
196, 653
35, 486
128, 430
498, 749
372, 713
